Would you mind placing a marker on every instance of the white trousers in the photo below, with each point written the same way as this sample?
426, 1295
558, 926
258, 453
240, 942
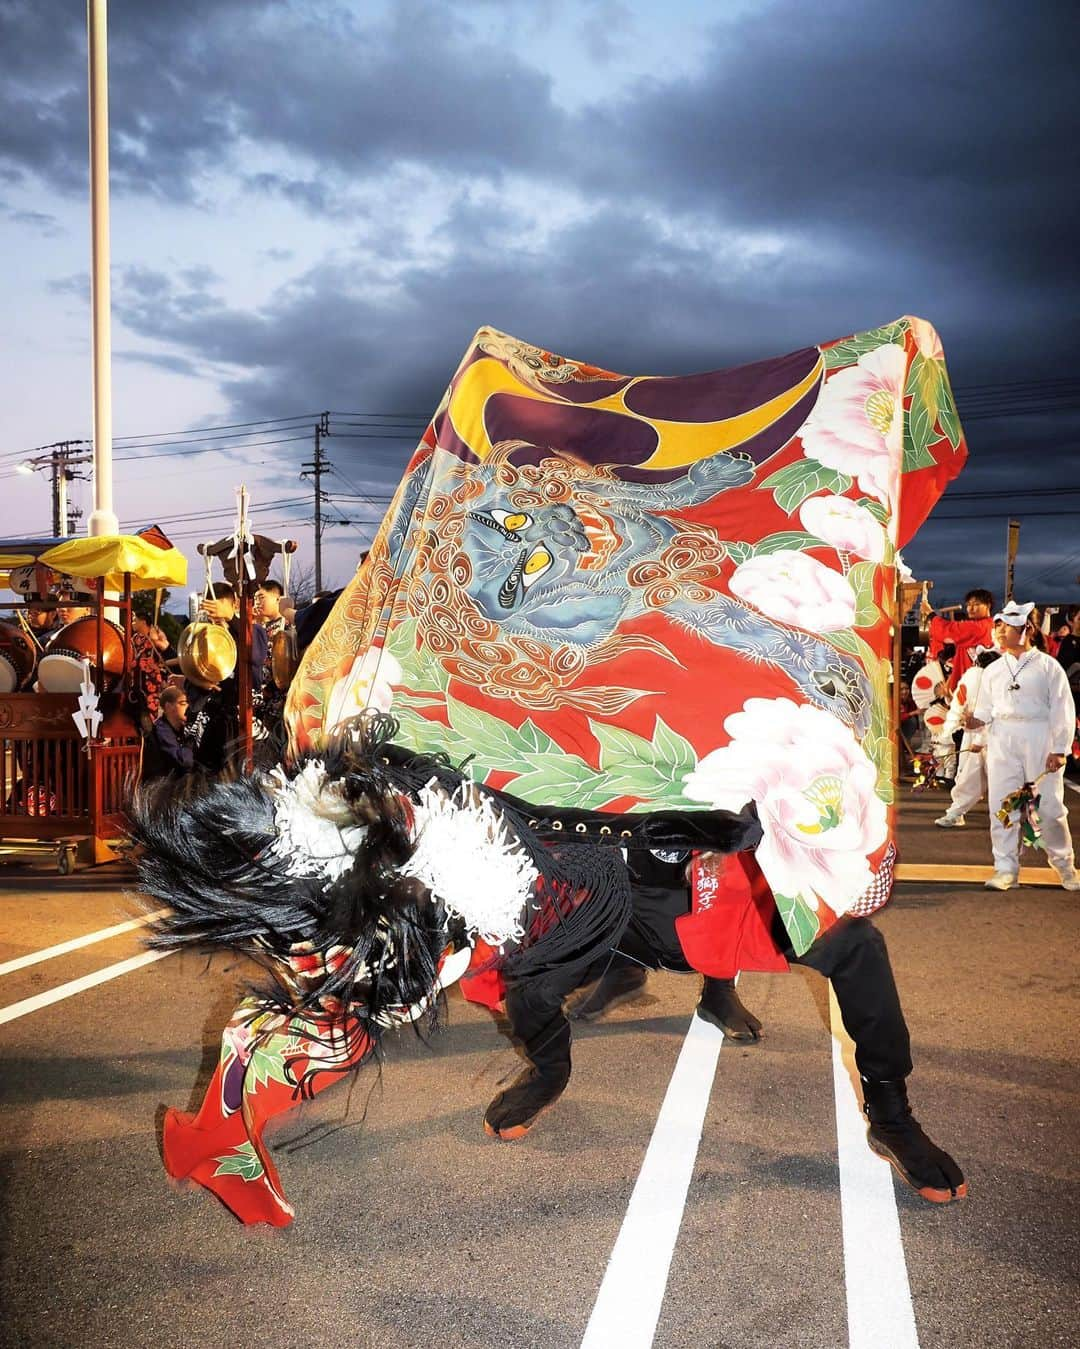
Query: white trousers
944, 751
970, 785
1016, 753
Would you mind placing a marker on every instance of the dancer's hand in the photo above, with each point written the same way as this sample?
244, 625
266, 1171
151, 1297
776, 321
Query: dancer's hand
971, 723
1054, 762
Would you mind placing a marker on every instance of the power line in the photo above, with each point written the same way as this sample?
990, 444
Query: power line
193, 433
211, 449
278, 503
1010, 492
373, 435
1000, 515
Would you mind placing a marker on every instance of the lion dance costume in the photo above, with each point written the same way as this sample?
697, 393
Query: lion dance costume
663, 604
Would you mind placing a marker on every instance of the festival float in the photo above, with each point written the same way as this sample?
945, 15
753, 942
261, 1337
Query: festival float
70, 747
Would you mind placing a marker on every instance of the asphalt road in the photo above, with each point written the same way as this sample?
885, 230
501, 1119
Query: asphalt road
415, 1230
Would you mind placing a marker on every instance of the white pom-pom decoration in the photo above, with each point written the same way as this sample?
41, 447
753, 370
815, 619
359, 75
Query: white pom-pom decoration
466, 857
316, 830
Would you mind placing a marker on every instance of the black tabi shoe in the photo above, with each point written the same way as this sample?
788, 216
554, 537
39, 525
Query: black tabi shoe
720, 1006
514, 1111
618, 984
896, 1135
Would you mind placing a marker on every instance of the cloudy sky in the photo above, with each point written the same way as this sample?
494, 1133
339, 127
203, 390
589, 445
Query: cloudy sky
316, 204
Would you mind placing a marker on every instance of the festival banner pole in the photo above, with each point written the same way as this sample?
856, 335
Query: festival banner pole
103, 520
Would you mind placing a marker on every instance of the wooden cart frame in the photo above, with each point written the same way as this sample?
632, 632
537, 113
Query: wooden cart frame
56, 788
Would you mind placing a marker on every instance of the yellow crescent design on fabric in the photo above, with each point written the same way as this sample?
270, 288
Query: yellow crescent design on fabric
680, 443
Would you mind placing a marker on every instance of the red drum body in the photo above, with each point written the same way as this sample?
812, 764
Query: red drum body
18, 658
60, 669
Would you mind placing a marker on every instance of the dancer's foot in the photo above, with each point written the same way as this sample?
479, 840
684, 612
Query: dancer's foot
948, 821
1003, 880
618, 984
721, 1006
1068, 878
514, 1111
896, 1135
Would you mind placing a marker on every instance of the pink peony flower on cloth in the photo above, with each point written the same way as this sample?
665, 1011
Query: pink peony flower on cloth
845, 525
795, 588
814, 788
368, 684
857, 424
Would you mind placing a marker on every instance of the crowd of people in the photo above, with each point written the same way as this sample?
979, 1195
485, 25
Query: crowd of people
992, 709
190, 708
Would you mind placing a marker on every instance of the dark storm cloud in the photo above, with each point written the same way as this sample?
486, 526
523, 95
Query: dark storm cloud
321, 342
167, 121
920, 147
189, 83
824, 170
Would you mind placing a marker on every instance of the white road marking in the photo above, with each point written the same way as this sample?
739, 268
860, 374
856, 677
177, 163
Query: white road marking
62, 948
68, 990
1074, 785
875, 1272
632, 1292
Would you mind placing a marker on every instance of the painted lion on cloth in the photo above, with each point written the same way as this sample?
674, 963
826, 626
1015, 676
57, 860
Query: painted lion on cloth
613, 682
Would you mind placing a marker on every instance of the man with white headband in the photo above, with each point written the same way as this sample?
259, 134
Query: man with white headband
1025, 704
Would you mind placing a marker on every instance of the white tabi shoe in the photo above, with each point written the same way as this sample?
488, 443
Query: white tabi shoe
948, 821
1002, 880
1068, 878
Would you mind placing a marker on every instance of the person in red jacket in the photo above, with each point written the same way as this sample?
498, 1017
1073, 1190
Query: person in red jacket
965, 633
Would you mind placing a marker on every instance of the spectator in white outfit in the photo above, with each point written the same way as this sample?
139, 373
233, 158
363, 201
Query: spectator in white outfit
970, 785
1026, 707
930, 690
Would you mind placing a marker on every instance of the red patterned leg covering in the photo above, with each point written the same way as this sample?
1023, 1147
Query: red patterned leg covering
269, 1063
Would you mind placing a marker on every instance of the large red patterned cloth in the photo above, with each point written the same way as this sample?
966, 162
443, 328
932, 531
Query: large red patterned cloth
965, 634
636, 592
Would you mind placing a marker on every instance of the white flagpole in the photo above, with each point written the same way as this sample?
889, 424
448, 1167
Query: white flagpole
103, 520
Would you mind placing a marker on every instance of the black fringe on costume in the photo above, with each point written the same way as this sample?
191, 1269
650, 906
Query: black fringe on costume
207, 855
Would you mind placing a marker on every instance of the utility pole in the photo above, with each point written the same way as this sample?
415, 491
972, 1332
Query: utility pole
314, 469
1011, 549
59, 460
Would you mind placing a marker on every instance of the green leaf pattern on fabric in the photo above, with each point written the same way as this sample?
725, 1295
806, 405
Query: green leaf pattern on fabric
849, 351
651, 770
427, 675
266, 1064
242, 1161
739, 552
861, 578
786, 538
795, 482
924, 382
799, 919
876, 508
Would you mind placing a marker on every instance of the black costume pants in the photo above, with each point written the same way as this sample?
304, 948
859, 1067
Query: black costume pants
852, 955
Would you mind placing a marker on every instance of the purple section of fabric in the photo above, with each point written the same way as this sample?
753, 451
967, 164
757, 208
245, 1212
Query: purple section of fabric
589, 390
775, 437
449, 440
719, 393
596, 437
